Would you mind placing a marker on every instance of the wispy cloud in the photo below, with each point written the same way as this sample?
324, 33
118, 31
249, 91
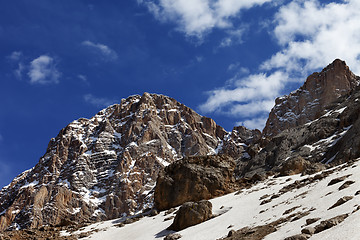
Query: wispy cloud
233, 37
43, 70
15, 56
254, 123
98, 101
198, 17
310, 35
106, 52
5, 173
246, 97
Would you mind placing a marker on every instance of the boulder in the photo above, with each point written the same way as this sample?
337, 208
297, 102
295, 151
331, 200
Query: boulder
297, 237
329, 223
308, 230
294, 166
194, 179
172, 236
341, 201
190, 214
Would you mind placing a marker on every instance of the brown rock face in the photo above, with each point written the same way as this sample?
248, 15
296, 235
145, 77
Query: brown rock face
190, 214
194, 179
308, 102
106, 166
331, 139
294, 166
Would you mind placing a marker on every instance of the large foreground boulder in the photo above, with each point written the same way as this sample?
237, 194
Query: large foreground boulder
190, 214
194, 179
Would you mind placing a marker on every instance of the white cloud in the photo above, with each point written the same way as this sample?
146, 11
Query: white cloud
310, 35
234, 37
43, 70
98, 102
255, 123
15, 56
107, 53
19, 71
246, 97
313, 34
197, 17
82, 78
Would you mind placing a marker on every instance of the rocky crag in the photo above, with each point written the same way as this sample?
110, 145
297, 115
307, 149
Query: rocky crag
330, 138
309, 101
106, 167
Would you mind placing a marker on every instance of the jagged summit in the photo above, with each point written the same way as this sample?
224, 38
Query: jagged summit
308, 102
106, 166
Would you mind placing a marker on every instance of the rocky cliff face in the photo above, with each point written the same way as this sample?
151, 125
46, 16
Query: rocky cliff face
308, 102
105, 167
330, 139
194, 179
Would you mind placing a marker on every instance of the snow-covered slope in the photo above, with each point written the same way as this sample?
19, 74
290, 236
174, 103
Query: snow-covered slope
294, 199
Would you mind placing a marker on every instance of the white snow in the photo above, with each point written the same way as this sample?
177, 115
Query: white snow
33, 183
162, 161
87, 196
340, 110
241, 210
132, 144
311, 147
64, 182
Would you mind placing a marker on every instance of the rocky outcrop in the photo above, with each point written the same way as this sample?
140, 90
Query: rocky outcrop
308, 102
330, 139
106, 166
294, 166
194, 179
190, 214
329, 223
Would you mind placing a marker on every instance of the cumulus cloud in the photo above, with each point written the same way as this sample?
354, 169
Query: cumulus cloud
313, 34
197, 17
106, 52
43, 70
310, 35
98, 101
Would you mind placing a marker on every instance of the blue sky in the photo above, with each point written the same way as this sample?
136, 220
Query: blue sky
226, 59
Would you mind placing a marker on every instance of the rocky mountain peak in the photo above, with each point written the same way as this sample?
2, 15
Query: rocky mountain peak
106, 166
308, 102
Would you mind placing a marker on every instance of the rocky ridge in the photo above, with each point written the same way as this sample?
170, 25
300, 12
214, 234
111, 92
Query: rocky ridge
106, 167
330, 139
309, 101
